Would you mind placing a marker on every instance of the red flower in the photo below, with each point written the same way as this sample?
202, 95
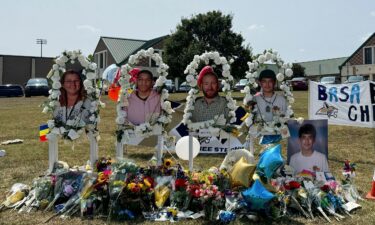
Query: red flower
292, 185
325, 188
180, 183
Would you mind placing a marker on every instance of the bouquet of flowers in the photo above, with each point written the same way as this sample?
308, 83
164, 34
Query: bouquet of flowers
212, 200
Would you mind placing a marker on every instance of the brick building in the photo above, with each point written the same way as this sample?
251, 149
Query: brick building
361, 62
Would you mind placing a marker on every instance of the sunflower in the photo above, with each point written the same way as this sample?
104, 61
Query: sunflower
167, 163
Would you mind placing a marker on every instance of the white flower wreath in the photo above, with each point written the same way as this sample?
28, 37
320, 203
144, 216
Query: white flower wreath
148, 128
89, 84
191, 79
279, 124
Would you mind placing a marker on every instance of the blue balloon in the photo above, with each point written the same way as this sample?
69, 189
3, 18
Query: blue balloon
270, 139
270, 160
257, 196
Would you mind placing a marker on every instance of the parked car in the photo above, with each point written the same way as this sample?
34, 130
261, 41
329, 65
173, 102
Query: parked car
299, 83
169, 84
11, 90
241, 84
184, 87
354, 79
328, 80
36, 87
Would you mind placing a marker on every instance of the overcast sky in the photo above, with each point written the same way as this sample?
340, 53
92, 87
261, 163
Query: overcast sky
299, 30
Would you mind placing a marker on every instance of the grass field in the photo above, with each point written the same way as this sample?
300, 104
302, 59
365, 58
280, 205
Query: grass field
20, 118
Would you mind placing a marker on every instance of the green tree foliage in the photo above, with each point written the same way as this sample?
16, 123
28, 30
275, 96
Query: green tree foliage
298, 70
211, 31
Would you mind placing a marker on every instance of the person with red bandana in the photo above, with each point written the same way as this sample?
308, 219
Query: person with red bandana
211, 104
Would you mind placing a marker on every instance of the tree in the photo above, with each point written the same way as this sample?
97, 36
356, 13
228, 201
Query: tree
211, 31
298, 70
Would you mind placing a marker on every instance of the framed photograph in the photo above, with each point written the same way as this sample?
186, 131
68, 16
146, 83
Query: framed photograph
308, 145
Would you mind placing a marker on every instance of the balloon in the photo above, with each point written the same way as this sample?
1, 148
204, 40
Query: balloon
113, 92
241, 173
233, 156
257, 196
270, 160
264, 182
182, 148
270, 139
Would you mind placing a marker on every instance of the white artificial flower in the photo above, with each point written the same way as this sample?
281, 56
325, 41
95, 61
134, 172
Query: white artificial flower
92, 118
223, 60
55, 67
193, 83
226, 67
45, 109
150, 51
256, 64
93, 66
290, 100
87, 84
231, 61
56, 76
51, 124
268, 56
261, 59
60, 62
251, 65
217, 61
280, 77
189, 78
120, 120
56, 85
289, 72
90, 75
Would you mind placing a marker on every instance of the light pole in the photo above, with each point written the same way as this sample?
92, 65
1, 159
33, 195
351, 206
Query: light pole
41, 42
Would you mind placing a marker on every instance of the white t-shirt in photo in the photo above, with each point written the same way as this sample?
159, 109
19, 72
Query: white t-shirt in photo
317, 161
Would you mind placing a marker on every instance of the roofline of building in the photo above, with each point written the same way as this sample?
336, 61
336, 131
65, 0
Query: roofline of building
363, 44
148, 44
321, 60
1, 55
128, 39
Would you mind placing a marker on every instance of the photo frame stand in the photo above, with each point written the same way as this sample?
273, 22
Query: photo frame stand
122, 147
53, 150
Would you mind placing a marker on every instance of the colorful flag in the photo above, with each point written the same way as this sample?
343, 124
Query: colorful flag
43, 131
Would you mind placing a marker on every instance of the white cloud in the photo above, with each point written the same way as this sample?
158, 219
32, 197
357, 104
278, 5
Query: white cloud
372, 13
256, 27
365, 37
88, 27
301, 50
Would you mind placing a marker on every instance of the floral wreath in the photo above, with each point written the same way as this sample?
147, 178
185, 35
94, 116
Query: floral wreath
89, 71
126, 80
191, 79
256, 125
